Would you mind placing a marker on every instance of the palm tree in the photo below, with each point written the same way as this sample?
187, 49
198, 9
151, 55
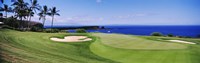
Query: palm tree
52, 13
30, 14
34, 6
43, 14
6, 9
20, 8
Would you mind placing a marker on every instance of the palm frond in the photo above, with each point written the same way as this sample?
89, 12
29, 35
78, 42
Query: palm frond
50, 14
15, 3
5, 7
58, 11
2, 1
34, 2
1, 9
57, 14
31, 1
10, 9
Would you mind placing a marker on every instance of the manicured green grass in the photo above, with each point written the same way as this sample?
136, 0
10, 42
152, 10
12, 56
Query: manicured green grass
149, 54
25, 47
135, 42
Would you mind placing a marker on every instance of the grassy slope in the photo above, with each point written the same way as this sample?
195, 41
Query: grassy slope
25, 47
119, 52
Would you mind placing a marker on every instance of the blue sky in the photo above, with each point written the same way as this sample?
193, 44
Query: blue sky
124, 12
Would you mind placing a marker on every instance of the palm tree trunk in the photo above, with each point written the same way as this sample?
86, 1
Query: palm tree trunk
43, 23
29, 22
52, 22
20, 24
6, 13
22, 20
15, 20
5, 17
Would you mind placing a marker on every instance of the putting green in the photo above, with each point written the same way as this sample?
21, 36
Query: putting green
133, 42
128, 50
141, 56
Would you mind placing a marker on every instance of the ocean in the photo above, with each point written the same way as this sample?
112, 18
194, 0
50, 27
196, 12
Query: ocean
190, 31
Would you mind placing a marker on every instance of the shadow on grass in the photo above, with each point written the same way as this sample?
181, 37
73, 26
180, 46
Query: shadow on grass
2, 60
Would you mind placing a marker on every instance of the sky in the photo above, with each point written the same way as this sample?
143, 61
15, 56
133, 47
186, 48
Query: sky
123, 12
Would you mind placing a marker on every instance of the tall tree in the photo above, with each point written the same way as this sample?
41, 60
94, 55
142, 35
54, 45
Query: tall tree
6, 9
33, 7
52, 13
43, 12
30, 14
20, 8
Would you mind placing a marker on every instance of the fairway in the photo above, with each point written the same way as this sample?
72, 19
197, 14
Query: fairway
99, 31
35, 47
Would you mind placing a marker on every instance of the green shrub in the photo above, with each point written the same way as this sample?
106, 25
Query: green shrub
156, 34
36, 29
81, 31
170, 35
64, 31
198, 36
6, 27
52, 30
47, 30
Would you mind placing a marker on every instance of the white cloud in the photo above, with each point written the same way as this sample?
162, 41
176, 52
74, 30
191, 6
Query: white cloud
73, 20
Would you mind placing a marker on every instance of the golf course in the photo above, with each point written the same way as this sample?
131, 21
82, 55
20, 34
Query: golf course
36, 47
99, 31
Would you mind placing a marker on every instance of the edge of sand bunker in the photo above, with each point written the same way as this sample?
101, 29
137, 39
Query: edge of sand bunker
71, 39
180, 41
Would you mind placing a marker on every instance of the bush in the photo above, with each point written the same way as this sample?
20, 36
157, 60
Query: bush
170, 35
81, 31
64, 31
52, 30
6, 27
47, 30
36, 29
198, 36
184, 37
156, 34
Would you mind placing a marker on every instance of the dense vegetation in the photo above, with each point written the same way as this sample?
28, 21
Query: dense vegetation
23, 12
81, 31
156, 34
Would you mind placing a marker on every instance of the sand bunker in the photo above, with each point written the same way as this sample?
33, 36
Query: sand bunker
180, 41
72, 39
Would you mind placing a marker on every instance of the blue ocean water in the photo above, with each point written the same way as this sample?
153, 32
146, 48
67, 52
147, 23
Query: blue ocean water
191, 31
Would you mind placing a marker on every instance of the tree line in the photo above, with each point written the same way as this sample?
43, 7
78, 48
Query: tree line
23, 11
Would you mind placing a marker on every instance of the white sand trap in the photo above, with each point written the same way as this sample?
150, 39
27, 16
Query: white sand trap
180, 41
72, 39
